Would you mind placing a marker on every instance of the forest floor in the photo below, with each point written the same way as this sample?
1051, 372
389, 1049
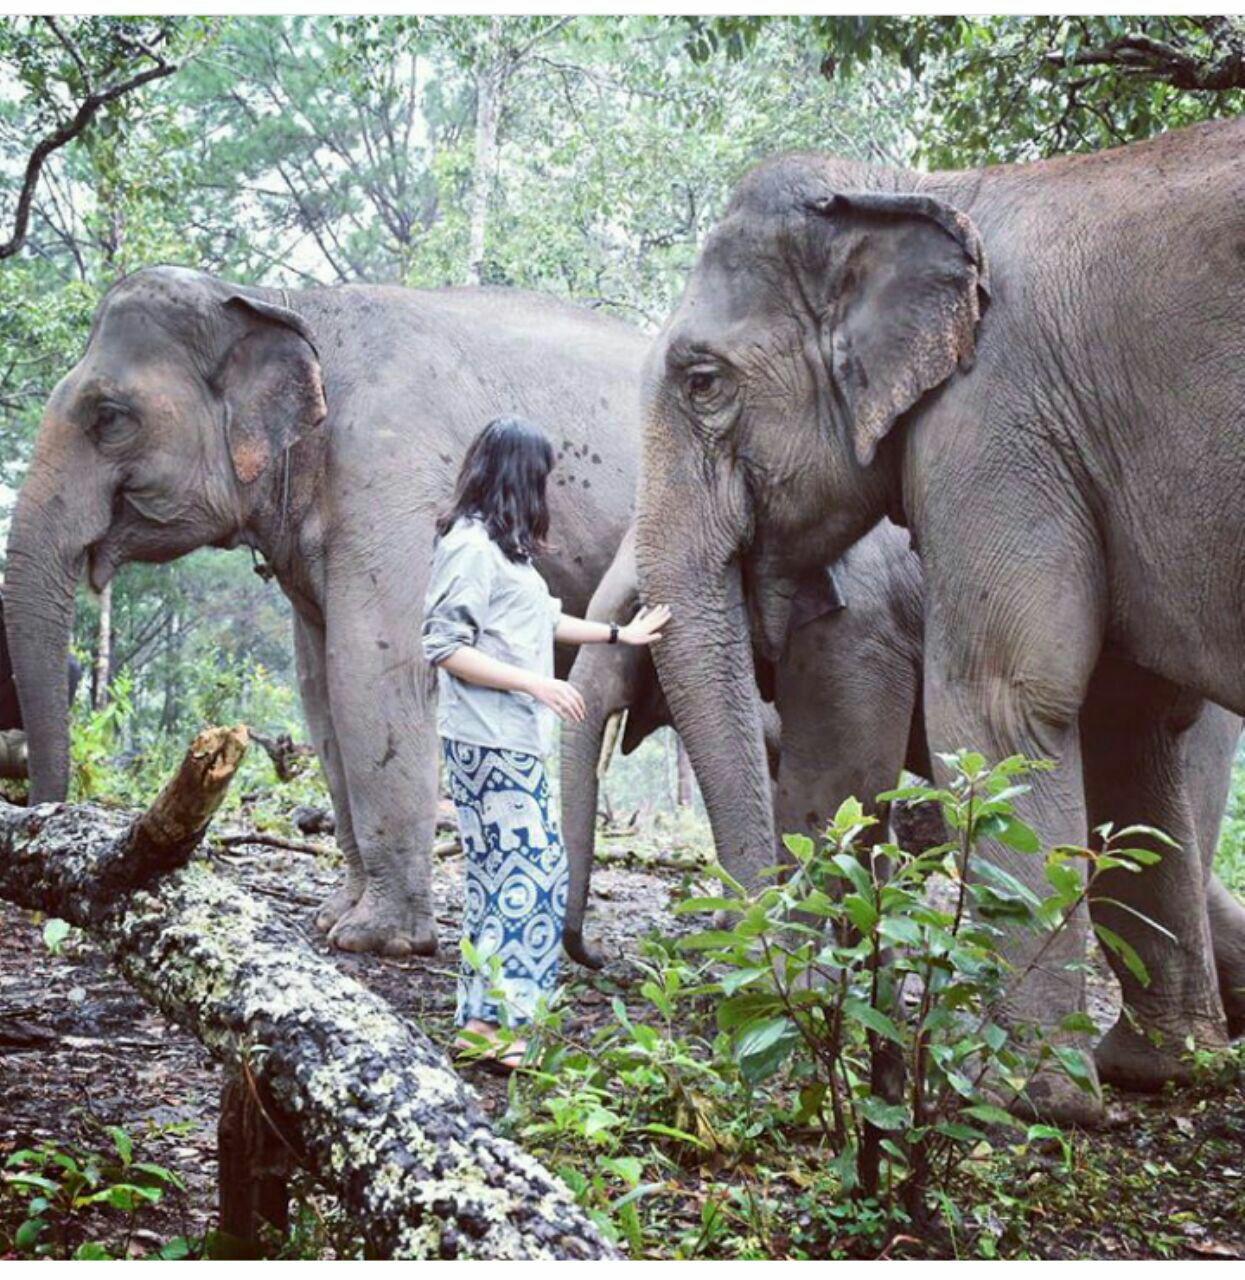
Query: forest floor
80, 1051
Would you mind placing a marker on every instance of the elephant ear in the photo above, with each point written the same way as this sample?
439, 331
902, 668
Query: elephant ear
907, 300
817, 595
271, 385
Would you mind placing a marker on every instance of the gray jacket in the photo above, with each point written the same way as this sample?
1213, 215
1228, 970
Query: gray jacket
476, 596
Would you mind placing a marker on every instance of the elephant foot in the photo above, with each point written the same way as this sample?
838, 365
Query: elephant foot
337, 904
574, 945
1141, 1061
1052, 1097
380, 928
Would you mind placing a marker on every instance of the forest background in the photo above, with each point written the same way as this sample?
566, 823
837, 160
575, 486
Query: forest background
583, 156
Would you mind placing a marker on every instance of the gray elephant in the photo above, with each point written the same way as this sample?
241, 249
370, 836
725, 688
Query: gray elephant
846, 693
322, 428
511, 812
992, 359
847, 715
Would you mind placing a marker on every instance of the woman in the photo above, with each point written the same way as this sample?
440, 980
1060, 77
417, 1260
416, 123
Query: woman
489, 628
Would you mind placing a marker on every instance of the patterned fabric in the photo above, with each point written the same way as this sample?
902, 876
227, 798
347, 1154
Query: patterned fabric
516, 880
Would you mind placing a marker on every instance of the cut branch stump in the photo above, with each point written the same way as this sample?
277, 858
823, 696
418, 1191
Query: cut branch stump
361, 1097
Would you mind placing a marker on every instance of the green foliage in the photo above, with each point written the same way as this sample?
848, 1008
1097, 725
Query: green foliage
846, 1035
76, 1202
1005, 87
1230, 858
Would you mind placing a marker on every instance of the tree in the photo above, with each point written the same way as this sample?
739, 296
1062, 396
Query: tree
1007, 88
72, 68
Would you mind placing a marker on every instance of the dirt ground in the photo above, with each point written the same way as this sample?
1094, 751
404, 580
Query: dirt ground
78, 1050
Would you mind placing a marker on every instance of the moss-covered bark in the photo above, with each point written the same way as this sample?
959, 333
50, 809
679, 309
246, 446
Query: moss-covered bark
369, 1104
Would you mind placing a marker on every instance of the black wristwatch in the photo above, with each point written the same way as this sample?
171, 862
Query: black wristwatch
613, 633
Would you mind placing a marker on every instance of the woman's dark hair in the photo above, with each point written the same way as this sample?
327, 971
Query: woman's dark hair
502, 483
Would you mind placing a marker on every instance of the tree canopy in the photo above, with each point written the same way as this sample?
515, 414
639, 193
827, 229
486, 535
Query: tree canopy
586, 156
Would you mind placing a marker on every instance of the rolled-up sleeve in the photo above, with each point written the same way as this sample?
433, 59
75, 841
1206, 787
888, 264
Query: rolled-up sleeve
456, 607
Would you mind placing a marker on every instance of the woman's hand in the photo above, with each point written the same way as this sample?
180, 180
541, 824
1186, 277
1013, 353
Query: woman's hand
561, 697
645, 627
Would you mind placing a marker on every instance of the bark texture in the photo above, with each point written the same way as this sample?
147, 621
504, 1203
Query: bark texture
362, 1098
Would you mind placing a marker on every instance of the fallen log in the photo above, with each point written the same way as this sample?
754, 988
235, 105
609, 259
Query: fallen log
360, 1097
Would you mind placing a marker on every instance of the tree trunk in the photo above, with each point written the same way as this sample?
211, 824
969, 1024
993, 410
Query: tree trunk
358, 1096
103, 650
490, 86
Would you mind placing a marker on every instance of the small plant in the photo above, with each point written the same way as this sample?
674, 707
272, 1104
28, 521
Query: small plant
881, 1000
94, 738
57, 1196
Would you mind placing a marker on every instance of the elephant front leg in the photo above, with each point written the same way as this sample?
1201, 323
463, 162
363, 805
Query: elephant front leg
1007, 666
1135, 773
386, 732
313, 689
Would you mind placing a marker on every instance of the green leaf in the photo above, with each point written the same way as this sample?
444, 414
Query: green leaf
1132, 911
988, 1113
849, 865
901, 929
638, 1193
800, 847
91, 1251
960, 1132
1019, 836
1075, 1064
1079, 1024
762, 1048
860, 912
734, 979
710, 940
882, 1114
1065, 879
1132, 961
54, 934
705, 904
873, 1018
122, 1141
667, 1131
27, 1235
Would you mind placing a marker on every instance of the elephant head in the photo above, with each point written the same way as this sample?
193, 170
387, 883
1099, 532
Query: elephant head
192, 419
818, 315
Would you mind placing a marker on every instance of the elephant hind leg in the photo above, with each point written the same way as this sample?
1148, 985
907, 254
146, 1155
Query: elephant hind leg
313, 689
1133, 728
1227, 926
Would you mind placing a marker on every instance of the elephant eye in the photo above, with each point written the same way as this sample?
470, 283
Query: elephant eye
111, 420
707, 387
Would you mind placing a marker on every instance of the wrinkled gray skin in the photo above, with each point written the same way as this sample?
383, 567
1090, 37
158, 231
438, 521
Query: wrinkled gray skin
325, 429
846, 692
1041, 371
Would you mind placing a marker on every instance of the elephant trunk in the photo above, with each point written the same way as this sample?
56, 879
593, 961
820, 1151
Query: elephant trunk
706, 670
609, 680
581, 752
42, 576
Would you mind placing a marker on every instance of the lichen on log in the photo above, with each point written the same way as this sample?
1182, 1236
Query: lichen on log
368, 1103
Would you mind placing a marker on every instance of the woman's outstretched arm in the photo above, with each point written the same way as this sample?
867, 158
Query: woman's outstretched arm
643, 629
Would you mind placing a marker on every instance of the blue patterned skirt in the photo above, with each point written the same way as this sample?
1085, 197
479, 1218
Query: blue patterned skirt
516, 881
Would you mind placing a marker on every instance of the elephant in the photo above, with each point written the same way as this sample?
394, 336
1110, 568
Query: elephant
846, 698
322, 428
991, 360
511, 812
847, 715
12, 728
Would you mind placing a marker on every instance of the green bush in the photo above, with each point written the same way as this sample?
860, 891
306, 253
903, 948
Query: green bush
846, 1036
